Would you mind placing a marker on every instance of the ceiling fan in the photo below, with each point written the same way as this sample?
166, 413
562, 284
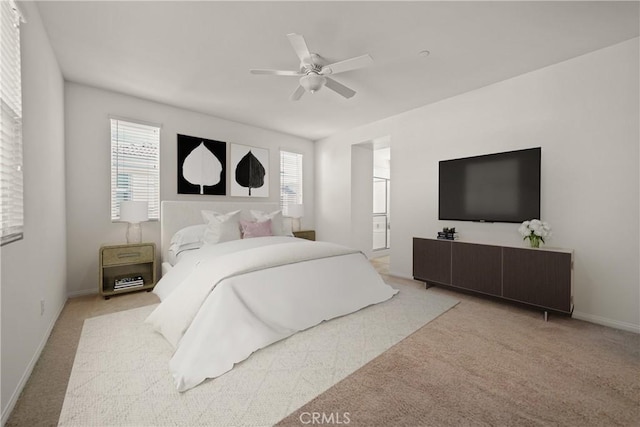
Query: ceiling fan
314, 74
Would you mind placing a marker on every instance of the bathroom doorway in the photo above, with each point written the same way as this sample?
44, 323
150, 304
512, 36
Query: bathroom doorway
381, 199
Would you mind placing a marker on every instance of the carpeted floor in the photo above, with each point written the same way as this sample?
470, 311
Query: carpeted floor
482, 363
41, 399
488, 363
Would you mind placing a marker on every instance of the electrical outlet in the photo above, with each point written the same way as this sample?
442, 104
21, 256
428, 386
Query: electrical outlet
41, 307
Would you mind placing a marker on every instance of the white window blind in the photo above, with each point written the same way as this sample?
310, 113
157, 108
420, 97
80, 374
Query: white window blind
290, 179
135, 165
11, 193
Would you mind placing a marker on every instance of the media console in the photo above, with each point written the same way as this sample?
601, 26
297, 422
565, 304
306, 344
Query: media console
538, 277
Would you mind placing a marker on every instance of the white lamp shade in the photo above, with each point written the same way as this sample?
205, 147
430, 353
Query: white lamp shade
133, 211
312, 82
295, 210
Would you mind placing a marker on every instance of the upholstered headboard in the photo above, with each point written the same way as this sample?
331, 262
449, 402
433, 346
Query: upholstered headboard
175, 215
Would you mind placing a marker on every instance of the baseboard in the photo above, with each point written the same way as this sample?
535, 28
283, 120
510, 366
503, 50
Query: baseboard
400, 275
6, 412
592, 318
81, 293
379, 253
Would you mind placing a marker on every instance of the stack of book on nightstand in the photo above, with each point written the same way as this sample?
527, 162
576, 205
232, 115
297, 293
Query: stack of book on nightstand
128, 283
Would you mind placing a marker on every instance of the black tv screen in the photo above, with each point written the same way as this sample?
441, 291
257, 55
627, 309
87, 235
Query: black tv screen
502, 187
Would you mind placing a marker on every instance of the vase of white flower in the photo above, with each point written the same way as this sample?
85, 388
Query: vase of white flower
536, 231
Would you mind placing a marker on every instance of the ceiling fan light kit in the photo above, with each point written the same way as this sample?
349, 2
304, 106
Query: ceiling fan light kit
313, 72
312, 82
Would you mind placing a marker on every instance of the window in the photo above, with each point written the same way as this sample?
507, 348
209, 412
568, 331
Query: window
11, 193
290, 179
135, 165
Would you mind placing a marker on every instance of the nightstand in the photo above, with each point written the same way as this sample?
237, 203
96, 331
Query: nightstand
127, 268
305, 234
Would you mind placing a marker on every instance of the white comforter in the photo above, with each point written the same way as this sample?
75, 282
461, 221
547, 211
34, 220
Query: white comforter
221, 303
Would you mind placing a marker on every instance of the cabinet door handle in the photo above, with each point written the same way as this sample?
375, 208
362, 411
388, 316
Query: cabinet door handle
129, 254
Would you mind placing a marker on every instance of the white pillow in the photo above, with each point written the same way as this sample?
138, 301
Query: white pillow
278, 227
185, 239
188, 235
175, 250
221, 227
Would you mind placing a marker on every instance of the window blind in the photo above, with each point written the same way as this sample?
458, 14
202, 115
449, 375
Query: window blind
11, 181
290, 179
135, 165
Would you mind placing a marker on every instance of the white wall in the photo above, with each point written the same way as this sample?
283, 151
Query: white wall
87, 113
582, 112
362, 197
35, 268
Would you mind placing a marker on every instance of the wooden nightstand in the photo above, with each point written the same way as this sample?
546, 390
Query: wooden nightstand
117, 262
305, 234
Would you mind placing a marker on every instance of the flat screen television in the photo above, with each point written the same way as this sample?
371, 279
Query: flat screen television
501, 187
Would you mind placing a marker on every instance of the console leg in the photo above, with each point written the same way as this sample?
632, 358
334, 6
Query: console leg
546, 316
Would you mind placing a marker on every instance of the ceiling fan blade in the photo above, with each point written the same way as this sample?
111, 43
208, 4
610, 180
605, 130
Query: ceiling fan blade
277, 72
347, 65
297, 93
339, 88
300, 46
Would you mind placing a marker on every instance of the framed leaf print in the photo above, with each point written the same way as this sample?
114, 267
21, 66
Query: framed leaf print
201, 166
249, 171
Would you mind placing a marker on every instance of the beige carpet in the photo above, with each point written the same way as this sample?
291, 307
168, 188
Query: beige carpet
121, 377
41, 399
435, 392
488, 363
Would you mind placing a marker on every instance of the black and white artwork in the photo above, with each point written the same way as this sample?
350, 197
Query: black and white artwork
201, 166
250, 171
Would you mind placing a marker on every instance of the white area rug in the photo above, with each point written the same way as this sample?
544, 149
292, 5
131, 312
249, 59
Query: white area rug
120, 375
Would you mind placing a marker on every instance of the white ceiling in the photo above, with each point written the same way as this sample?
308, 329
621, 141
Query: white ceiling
197, 55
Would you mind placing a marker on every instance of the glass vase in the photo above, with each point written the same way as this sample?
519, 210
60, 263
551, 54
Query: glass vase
534, 241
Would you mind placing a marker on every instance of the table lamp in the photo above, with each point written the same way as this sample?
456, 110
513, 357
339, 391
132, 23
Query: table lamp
134, 213
296, 211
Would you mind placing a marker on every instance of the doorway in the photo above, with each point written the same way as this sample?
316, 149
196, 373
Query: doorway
381, 199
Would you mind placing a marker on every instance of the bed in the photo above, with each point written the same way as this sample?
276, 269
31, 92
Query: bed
224, 299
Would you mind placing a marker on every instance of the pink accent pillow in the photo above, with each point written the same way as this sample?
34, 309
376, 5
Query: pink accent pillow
255, 229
